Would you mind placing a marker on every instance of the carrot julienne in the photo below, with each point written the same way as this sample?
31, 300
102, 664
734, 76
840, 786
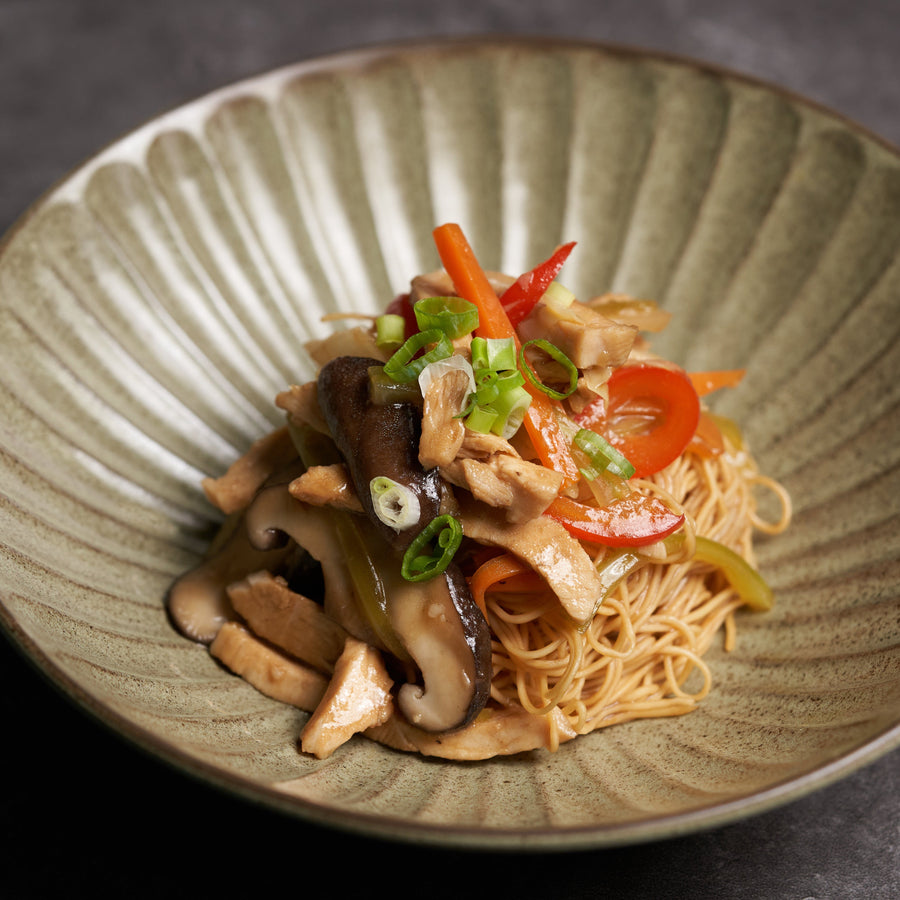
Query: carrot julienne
707, 382
502, 568
543, 417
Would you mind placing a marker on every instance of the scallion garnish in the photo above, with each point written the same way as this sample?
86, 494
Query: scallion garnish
395, 504
486, 388
432, 549
557, 356
389, 331
602, 455
405, 366
499, 402
511, 407
493, 353
481, 419
452, 315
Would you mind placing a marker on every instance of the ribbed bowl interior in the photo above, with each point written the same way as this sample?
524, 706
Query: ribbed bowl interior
153, 304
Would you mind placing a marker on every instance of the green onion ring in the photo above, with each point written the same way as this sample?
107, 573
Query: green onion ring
389, 330
602, 454
452, 315
420, 565
404, 366
558, 356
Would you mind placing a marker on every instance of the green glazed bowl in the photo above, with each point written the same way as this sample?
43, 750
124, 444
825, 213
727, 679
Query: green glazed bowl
154, 303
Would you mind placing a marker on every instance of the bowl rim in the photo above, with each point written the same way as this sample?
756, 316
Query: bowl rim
540, 839
359, 54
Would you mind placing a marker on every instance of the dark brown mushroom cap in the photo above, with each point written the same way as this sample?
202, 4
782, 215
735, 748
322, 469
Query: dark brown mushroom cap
437, 621
377, 440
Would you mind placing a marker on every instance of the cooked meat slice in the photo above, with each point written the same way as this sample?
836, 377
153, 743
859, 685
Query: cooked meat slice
356, 341
586, 336
358, 697
480, 480
235, 489
301, 403
476, 445
289, 620
329, 485
524, 489
270, 671
443, 433
643, 314
534, 486
547, 547
493, 733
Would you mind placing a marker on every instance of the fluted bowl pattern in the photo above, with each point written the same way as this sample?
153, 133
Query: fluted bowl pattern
153, 304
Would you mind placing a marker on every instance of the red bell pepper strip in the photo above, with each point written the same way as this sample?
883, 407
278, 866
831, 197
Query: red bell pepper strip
632, 521
651, 416
520, 298
542, 420
750, 585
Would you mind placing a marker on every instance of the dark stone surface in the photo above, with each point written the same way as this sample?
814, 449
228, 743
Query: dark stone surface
81, 811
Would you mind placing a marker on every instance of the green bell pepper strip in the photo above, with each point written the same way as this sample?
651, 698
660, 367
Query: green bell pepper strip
749, 584
361, 547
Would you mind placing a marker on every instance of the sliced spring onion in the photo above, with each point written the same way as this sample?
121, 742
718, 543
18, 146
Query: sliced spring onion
404, 366
432, 549
498, 402
390, 330
511, 407
486, 387
452, 315
481, 419
556, 355
478, 351
501, 353
498, 354
602, 455
384, 391
394, 503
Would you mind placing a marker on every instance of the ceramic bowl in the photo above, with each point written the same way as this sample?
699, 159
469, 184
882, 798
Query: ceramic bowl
154, 303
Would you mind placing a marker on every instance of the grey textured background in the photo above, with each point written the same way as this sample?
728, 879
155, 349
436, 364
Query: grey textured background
81, 811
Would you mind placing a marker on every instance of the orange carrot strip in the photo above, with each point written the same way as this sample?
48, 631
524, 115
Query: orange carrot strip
497, 569
707, 382
542, 421
707, 440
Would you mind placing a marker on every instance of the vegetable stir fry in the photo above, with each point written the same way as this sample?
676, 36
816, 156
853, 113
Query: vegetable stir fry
493, 522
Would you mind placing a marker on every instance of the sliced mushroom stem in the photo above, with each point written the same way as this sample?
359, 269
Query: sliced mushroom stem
197, 601
275, 515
